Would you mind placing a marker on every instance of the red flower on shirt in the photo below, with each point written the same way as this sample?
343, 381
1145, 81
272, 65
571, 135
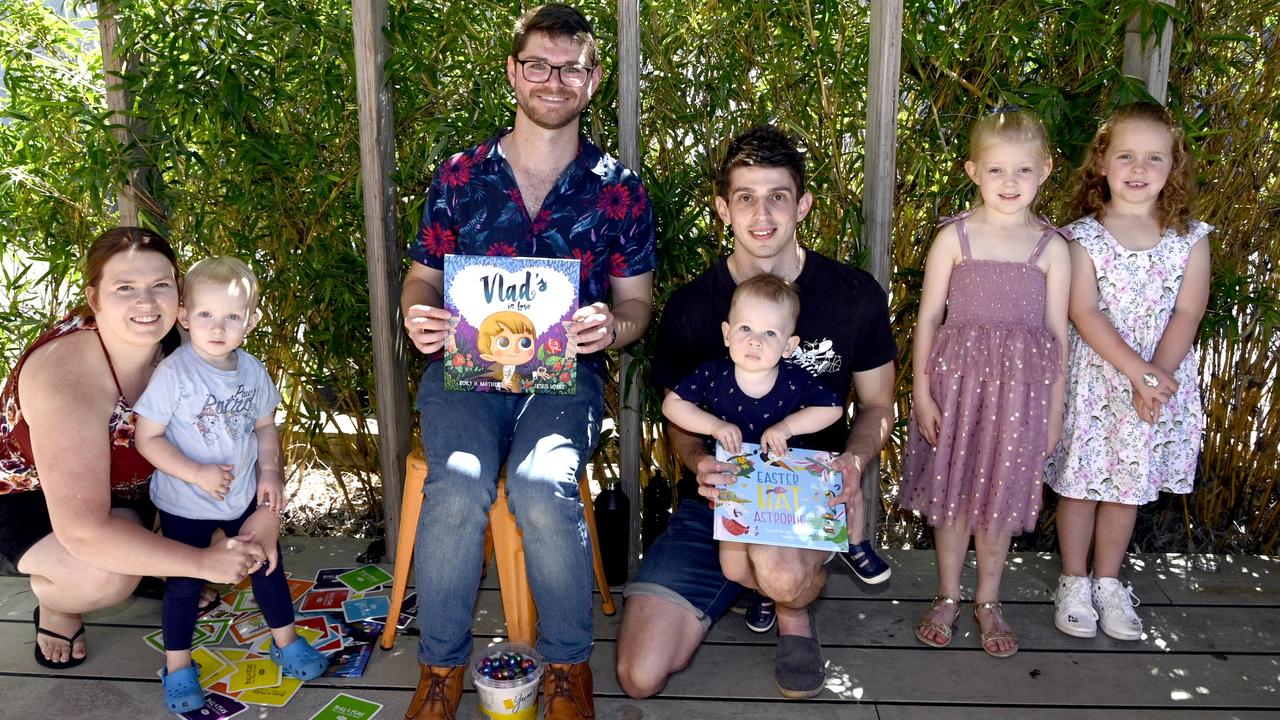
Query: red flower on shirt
614, 201
456, 171
540, 223
617, 265
501, 249
438, 240
642, 201
586, 262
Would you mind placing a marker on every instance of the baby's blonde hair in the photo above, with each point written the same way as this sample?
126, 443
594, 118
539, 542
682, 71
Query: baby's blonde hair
222, 270
1015, 126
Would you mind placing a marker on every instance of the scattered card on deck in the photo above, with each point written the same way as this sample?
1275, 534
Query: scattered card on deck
249, 626
244, 602
277, 696
327, 578
298, 588
254, 674
324, 600
365, 578
364, 608
212, 666
216, 707
347, 707
350, 662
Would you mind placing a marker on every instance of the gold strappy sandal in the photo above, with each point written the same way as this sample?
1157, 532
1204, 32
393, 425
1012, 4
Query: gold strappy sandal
993, 635
927, 623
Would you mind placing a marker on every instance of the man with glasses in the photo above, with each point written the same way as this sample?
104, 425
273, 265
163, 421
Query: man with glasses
539, 189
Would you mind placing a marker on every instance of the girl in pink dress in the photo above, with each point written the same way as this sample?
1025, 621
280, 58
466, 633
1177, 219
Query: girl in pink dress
988, 381
1139, 286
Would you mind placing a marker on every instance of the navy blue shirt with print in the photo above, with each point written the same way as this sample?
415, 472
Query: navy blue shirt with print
714, 388
598, 212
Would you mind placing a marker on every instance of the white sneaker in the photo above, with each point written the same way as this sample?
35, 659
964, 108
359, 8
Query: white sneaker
1075, 615
1115, 604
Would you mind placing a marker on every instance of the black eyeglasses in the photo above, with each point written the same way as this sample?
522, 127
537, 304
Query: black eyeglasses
539, 71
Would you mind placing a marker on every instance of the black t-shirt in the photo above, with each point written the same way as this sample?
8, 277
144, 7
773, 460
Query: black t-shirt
843, 328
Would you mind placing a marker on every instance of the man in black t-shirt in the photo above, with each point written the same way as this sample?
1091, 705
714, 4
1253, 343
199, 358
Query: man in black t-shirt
846, 342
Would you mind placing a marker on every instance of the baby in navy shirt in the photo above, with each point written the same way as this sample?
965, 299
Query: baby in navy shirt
752, 396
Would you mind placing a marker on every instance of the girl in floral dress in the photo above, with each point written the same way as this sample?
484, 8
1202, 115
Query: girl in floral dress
989, 381
1139, 287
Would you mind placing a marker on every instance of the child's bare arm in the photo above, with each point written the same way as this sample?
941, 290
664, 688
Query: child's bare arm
1057, 299
1096, 330
166, 457
801, 422
696, 420
943, 256
1188, 310
270, 474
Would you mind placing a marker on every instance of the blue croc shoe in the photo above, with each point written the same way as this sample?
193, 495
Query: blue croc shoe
865, 563
300, 660
182, 692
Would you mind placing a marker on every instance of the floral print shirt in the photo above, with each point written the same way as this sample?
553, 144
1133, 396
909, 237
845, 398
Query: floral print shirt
130, 472
598, 212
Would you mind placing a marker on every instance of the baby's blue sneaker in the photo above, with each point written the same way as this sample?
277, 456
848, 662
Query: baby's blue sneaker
300, 660
182, 692
865, 563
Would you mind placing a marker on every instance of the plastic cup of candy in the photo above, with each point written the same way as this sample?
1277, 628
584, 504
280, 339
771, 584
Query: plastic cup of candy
506, 677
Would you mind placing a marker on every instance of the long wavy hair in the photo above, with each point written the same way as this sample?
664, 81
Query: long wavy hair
1177, 199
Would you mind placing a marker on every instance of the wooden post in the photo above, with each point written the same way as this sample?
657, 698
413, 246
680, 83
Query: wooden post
382, 247
1149, 61
629, 384
133, 195
880, 172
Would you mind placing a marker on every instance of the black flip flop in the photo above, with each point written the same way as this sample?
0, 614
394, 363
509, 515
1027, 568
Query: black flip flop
46, 662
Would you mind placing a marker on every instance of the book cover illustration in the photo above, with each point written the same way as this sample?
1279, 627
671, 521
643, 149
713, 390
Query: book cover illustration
782, 500
508, 329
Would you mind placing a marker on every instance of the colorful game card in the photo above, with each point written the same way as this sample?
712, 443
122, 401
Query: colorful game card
350, 662
249, 626
508, 329
365, 578
347, 707
216, 707
216, 628
327, 578
365, 608
212, 666
253, 674
244, 602
324, 600
298, 588
277, 696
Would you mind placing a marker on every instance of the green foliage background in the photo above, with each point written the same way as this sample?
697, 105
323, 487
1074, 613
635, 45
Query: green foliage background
250, 117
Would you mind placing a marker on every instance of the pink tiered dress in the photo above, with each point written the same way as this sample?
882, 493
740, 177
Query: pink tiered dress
991, 373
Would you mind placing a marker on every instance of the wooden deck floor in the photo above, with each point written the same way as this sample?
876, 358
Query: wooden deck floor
1211, 650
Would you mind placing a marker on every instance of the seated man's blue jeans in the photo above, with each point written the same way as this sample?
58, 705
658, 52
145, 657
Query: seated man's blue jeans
544, 440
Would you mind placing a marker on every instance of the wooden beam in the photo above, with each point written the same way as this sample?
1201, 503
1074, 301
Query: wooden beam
382, 248
880, 171
629, 384
1149, 61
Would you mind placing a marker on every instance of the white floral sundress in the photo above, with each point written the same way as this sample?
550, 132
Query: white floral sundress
1106, 453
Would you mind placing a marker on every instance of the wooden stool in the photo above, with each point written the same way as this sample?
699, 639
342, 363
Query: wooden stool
508, 547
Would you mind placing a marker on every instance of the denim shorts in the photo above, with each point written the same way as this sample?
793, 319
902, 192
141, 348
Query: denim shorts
683, 566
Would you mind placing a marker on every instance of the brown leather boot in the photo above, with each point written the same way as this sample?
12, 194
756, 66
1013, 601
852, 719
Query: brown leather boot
438, 694
566, 692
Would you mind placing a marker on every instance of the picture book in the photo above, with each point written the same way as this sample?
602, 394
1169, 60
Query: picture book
781, 500
508, 332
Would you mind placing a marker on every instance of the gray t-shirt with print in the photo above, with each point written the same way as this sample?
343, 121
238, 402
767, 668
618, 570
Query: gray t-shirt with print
208, 414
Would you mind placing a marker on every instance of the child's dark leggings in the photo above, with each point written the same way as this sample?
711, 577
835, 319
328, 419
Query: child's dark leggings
182, 594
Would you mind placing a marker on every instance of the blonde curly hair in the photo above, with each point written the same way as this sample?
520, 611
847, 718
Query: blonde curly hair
1177, 199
